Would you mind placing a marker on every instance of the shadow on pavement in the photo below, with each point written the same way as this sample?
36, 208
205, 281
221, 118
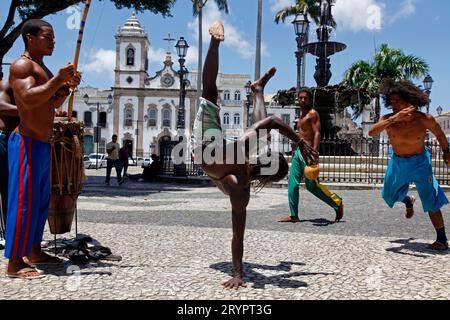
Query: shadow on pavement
320, 222
260, 281
95, 186
407, 244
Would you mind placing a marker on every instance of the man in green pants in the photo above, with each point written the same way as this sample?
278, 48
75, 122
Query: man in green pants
309, 130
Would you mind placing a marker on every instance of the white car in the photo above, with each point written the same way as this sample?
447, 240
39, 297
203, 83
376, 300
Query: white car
146, 162
137, 161
87, 162
95, 159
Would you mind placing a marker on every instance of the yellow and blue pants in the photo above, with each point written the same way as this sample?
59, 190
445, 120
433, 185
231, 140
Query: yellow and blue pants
28, 194
320, 191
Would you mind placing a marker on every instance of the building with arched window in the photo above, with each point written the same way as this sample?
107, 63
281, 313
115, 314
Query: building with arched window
226, 118
226, 95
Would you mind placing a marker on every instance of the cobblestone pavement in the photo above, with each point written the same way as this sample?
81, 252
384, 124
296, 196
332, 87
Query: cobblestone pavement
175, 244
189, 263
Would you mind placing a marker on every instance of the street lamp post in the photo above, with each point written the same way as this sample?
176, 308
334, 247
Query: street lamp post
301, 27
428, 84
97, 132
248, 94
182, 47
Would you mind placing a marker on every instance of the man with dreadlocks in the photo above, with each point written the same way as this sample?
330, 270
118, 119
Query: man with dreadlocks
232, 171
410, 160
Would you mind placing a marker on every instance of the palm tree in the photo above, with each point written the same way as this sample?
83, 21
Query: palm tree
387, 63
310, 7
197, 6
258, 42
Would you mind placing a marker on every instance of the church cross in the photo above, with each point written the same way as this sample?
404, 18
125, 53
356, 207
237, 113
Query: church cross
169, 43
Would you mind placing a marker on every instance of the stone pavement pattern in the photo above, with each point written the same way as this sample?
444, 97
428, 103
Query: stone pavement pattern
175, 244
189, 263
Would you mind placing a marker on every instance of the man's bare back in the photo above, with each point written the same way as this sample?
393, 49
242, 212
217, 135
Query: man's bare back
9, 116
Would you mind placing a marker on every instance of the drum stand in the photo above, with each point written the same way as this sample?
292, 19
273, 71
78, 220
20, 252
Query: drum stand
76, 227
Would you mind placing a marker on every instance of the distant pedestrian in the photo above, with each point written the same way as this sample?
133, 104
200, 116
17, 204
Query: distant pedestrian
124, 155
112, 160
151, 172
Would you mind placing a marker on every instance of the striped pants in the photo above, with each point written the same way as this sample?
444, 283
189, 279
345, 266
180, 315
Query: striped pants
28, 194
320, 191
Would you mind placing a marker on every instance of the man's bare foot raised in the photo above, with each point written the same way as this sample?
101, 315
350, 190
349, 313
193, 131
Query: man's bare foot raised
410, 211
261, 82
217, 31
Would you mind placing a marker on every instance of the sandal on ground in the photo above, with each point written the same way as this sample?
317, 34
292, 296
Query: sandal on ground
410, 211
438, 246
339, 213
103, 253
26, 273
292, 219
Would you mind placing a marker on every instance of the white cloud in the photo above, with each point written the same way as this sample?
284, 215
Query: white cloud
407, 8
156, 56
192, 56
277, 5
358, 15
233, 37
101, 62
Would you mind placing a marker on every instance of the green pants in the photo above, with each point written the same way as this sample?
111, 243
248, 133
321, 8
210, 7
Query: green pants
320, 191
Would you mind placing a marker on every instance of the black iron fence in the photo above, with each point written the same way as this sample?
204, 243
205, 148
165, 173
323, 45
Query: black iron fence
353, 160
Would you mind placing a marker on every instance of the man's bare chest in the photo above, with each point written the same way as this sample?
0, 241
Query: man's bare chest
412, 129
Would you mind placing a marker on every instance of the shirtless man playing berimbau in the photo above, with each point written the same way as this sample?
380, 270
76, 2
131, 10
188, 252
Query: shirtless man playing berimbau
234, 177
410, 161
37, 93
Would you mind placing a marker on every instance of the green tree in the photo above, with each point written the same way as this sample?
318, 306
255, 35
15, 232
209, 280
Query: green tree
38, 9
387, 63
310, 7
197, 7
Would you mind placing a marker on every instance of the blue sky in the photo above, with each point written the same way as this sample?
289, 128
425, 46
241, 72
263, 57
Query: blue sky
418, 27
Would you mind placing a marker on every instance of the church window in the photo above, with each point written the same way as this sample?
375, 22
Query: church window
88, 119
152, 115
130, 57
102, 120
237, 95
166, 118
226, 95
128, 117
